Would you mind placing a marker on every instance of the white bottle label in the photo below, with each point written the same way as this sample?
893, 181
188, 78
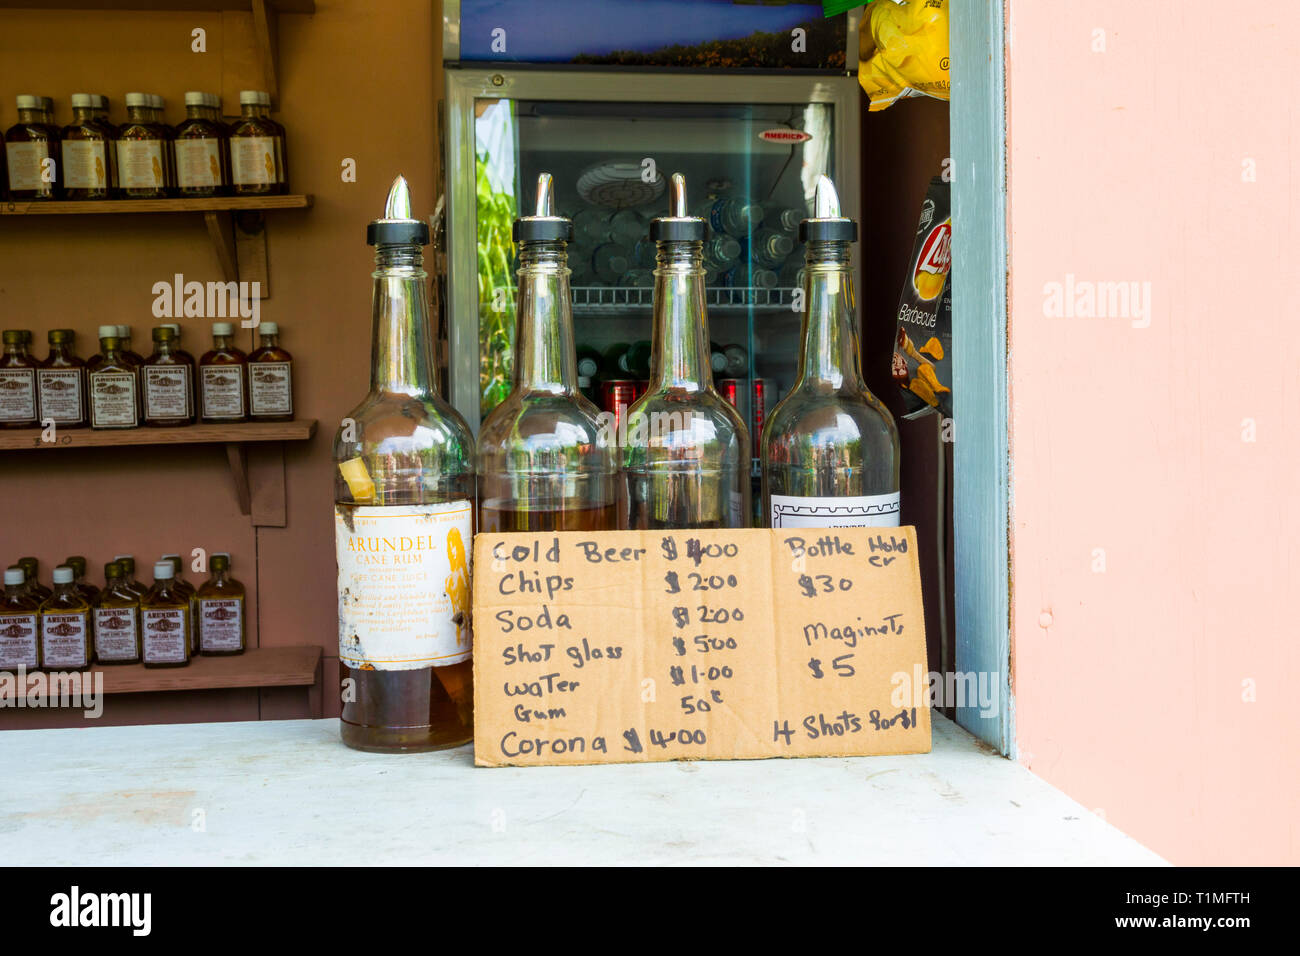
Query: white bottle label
857, 511
270, 388
198, 163
115, 629
85, 164
26, 162
17, 394
221, 624
223, 391
60, 391
63, 639
17, 641
404, 597
166, 391
112, 400
252, 160
165, 634
140, 164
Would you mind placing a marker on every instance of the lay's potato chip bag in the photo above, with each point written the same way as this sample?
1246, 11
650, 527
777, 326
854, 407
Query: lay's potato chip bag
903, 51
922, 352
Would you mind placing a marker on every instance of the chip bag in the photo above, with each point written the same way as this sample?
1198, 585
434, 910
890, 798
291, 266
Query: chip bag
922, 365
903, 51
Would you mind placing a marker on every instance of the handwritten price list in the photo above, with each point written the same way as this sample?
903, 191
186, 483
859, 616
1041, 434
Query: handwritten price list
625, 646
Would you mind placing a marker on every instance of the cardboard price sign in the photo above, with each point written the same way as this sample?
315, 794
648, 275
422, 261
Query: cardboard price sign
621, 646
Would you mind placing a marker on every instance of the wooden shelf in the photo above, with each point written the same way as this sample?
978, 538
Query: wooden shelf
90, 207
257, 667
279, 6
30, 438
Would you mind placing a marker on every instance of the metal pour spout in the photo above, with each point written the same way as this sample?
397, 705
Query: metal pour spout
545, 189
398, 204
826, 201
677, 197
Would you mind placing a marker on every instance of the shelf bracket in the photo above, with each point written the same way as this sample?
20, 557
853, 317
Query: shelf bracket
265, 26
237, 456
221, 232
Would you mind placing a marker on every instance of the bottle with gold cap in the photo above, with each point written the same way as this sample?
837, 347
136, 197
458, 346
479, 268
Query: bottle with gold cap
32, 568
220, 614
165, 381
190, 590
270, 378
127, 562
65, 625
222, 378
165, 621
112, 384
128, 353
78, 565
117, 619
19, 624
404, 521
18, 404
61, 382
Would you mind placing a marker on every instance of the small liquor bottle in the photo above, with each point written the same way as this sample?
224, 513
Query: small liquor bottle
128, 575
165, 383
61, 383
270, 378
86, 146
158, 115
65, 625
165, 621
114, 386
179, 351
221, 611
32, 569
117, 620
124, 337
281, 154
255, 148
200, 152
829, 448
78, 565
189, 590
17, 382
223, 378
99, 113
32, 154
544, 461
141, 151
19, 624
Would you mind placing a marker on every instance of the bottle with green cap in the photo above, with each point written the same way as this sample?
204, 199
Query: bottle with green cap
829, 448
129, 581
132, 356
78, 564
65, 625
687, 452
270, 378
221, 626
112, 385
223, 378
190, 590
32, 153
86, 147
117, 619
19, 624
165, 621
17, 382
61, 382
405, 472
165, 383
32, 568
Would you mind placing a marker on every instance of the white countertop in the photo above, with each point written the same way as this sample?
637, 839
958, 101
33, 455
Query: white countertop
288, 792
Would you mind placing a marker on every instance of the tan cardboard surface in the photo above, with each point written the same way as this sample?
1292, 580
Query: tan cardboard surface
621, 646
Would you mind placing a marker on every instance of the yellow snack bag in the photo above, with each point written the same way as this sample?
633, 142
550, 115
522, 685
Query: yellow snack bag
903, 51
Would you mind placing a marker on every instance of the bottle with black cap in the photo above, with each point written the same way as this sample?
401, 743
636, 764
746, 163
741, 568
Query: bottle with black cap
687, 452
404, 520
544, 461
829, 448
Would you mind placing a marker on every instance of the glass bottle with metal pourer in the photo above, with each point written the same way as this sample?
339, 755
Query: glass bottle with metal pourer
686, 456
544, 461
404, 521
830, 448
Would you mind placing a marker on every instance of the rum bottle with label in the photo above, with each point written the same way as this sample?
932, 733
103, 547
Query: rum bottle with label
65, 625
829, 448
141, 152
117, 620
129, 582
17, 382
189, 591
404, 521
165, 621
113, 385
19, 624
165, 383
200, 150
544, 461
255, 148
221, 611
85, 146
32, 569
179, 351
687, 454
78, 565
32, 154
61, 383
223, 378
270, 378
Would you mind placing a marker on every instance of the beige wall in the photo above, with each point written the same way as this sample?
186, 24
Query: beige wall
357, 80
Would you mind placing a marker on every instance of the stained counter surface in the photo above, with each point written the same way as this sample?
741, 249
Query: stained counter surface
288, 792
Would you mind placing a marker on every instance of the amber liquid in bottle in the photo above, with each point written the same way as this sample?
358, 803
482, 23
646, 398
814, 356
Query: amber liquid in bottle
19, 624
113, 385
85, 146
117, 620
29, 143
270, 378
256, 148
65, 625
220, 613
142, 165
223, 379
165, 621
165, 381
18, 404
200, 149
189, 591
61, 383
87, 590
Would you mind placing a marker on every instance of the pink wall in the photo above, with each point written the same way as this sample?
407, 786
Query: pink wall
1167, 451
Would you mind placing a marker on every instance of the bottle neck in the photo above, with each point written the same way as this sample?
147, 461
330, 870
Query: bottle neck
140, 114
681, 354
270, 341
220, 577
15, 590
196, 112
59, 350
163, 349
829, 350
253, 111
400, 348
67, 590
544, 357
108, 349
221, 343
82, 114
15, 348
30, 116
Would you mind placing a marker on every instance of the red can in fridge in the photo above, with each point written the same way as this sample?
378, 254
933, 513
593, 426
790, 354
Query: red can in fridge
616, 397
761, 390
746, 397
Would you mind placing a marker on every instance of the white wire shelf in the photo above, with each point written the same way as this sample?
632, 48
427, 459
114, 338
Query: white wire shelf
639, 298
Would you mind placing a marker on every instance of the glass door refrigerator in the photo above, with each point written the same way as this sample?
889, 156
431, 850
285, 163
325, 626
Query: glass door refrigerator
609, 99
